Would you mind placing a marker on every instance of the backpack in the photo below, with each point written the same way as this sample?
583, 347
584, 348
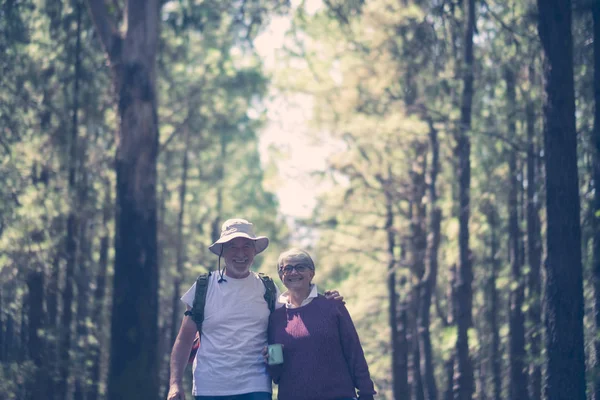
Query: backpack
197, 311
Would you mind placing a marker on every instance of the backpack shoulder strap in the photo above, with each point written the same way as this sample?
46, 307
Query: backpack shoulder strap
270, 290
197, 311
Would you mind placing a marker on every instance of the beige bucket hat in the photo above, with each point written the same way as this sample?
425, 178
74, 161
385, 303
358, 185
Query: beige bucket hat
235, 228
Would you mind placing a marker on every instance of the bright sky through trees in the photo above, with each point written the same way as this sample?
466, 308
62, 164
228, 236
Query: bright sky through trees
287, 140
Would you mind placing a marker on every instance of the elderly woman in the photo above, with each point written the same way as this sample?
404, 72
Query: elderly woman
322, 355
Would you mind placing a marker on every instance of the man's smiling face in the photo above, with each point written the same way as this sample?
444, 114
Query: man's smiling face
238, 255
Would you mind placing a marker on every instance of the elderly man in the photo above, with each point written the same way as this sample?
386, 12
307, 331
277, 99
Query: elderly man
228, 364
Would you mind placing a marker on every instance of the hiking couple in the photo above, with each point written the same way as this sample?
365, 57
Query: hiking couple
230, 363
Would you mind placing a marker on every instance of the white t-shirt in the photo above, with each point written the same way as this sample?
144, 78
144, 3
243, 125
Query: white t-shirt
234, 332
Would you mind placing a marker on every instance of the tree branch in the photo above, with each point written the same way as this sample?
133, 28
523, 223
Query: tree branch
109, 36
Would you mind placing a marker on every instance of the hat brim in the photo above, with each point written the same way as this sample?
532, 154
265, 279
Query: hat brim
260, 242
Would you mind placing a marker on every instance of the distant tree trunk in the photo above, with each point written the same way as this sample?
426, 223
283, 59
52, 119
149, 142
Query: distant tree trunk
403, 349
133, 369
493, 309
418, 249
464, 384
35, 285
419, 391
450, 364
412, 327
72, 229
23, 344
52, 326
51, 329
401, 389
180, 245
83, 295
83, 275
518, 378
449, 369
430, 278
534, 251
427, 292
596, 220
176, 315
100, 299
565, 373
481, 393
9, 337
2, 327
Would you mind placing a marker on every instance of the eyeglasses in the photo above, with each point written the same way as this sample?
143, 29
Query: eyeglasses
300, 268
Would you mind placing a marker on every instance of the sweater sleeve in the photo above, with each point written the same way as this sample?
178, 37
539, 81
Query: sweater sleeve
353, 352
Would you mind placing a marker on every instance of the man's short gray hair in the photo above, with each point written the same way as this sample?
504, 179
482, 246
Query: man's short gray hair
296, 254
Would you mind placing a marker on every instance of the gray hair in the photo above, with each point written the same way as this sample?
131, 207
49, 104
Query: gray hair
296, 254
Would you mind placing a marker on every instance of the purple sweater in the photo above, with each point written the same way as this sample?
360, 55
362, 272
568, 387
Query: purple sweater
322, 355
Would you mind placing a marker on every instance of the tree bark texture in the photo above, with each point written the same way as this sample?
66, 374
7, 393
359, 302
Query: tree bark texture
565, 373
133, 368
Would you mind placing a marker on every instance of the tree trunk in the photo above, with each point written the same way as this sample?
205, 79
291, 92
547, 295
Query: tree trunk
72, 229
534, 252
133, 369
449, 369
418, 249
180, 246
427, 293
401, 389
464, 384
413, 339
430, 278
9, 338
518, 378
596, 220
82, 273
176, 315
99, 300
403, 350
35, 286
481, 393
52, 326
2, 327
83, 295
492, 303
565, 373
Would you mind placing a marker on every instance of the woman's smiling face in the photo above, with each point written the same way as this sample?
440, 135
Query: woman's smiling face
296, 273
